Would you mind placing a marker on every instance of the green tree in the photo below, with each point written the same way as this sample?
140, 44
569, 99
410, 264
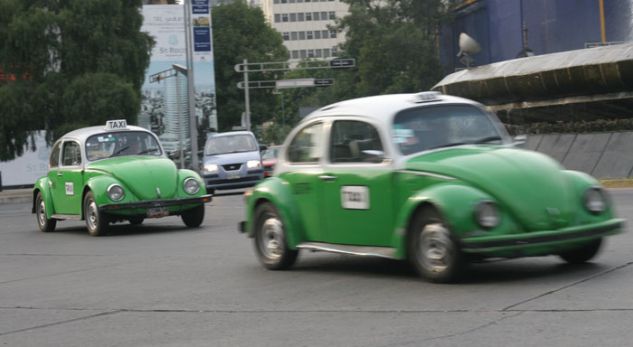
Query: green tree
241, 32
68, 63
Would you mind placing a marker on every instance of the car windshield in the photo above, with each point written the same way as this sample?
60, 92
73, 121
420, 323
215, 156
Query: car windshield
230, 144
113, 144
270, 153
420, 129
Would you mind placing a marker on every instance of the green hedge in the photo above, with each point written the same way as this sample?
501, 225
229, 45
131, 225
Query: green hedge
577, 127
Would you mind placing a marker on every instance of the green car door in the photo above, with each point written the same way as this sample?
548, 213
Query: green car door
304, 156
67, 180
357, 202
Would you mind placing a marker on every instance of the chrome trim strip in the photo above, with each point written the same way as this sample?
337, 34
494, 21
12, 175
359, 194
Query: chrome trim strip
429, 174
66, 216
382, 252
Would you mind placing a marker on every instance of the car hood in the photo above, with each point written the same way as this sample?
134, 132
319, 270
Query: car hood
528, 185
146, 176
231, 158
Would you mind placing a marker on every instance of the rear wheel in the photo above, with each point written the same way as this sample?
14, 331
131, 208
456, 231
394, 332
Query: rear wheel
193, 217
432, 250
582, 254
270, 239
96, 221
45, 224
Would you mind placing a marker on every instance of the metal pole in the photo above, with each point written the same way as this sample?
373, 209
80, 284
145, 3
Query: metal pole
603, 31
247, 112
191, 95
283, 112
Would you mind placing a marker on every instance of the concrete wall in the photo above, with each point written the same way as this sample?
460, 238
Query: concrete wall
603, 155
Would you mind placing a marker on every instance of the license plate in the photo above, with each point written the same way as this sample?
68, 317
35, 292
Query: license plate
157, 212
233, 175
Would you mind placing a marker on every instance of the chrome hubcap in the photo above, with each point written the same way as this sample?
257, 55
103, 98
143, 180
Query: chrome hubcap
91, 215
436, 248
41, 213
271, 242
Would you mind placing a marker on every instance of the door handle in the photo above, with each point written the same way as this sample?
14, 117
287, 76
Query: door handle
60, 174
327, 178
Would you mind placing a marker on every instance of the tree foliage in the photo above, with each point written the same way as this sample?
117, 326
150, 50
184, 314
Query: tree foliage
241, 32
394, 43
68, 63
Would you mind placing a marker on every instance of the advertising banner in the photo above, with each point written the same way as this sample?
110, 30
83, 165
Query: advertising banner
165, 105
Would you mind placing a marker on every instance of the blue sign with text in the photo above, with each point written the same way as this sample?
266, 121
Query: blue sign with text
202, 39
200, 6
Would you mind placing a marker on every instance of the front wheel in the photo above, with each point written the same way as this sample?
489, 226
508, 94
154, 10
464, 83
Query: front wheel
45, 224
582, 254
432, 250
193, 217
270, 239
96, 221
136, 220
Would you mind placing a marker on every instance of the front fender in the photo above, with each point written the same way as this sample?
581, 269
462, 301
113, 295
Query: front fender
580, 182
277, 192
99, 185
182, 175
42, 185
453, 200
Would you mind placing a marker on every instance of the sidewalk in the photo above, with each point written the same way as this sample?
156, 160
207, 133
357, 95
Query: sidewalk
16, 196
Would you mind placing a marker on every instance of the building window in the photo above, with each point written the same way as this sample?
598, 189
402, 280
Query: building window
326, 52
317, 53
310, 53
286, 36
333, 34
302, 53
295, 54
323, 15
317, 34
291, 1
299, 1
308, 16
276, 2
300, 17
293, 36
325, 34
302, 35
334, 51
293, 17
277, 18
284, 1
309, 35
315, 15
284, 17
332, 14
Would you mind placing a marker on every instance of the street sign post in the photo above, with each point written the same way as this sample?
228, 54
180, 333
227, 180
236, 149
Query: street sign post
323, 82
342, 63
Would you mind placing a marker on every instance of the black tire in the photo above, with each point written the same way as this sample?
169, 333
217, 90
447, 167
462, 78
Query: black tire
46, 225
136, 220
432, 249
97, 222
193, 217
270, 239
582, 254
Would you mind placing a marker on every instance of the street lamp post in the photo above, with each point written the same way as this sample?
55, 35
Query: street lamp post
191, 96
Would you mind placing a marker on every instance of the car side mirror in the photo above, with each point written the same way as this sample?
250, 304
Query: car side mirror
519, 140
262, 148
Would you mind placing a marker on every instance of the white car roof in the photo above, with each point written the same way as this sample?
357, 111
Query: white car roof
229, 133
382, 108
82, 134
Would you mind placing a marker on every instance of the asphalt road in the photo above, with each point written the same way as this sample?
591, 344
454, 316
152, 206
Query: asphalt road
164, 285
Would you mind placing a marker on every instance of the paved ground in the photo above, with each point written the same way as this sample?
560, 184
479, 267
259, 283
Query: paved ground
165, 285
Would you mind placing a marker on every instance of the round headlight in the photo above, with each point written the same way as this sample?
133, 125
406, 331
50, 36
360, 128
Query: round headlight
595, 200
115, 192
487, 214
191, 185
253, 164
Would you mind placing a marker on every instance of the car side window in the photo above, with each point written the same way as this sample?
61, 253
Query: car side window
54, 160
71, 154
306, 146
355, 142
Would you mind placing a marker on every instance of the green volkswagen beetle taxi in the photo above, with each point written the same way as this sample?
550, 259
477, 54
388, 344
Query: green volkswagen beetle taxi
115, 173
425, 177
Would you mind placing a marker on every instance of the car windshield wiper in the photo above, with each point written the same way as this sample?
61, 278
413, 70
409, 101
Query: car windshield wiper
450, 145
119, 151
147, 150
488, 139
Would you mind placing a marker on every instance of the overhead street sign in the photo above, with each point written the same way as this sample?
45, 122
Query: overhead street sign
342, 63
295, 83
323, 82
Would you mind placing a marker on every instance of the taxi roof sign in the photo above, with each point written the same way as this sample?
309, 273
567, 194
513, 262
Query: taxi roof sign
426, 96
116, 124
